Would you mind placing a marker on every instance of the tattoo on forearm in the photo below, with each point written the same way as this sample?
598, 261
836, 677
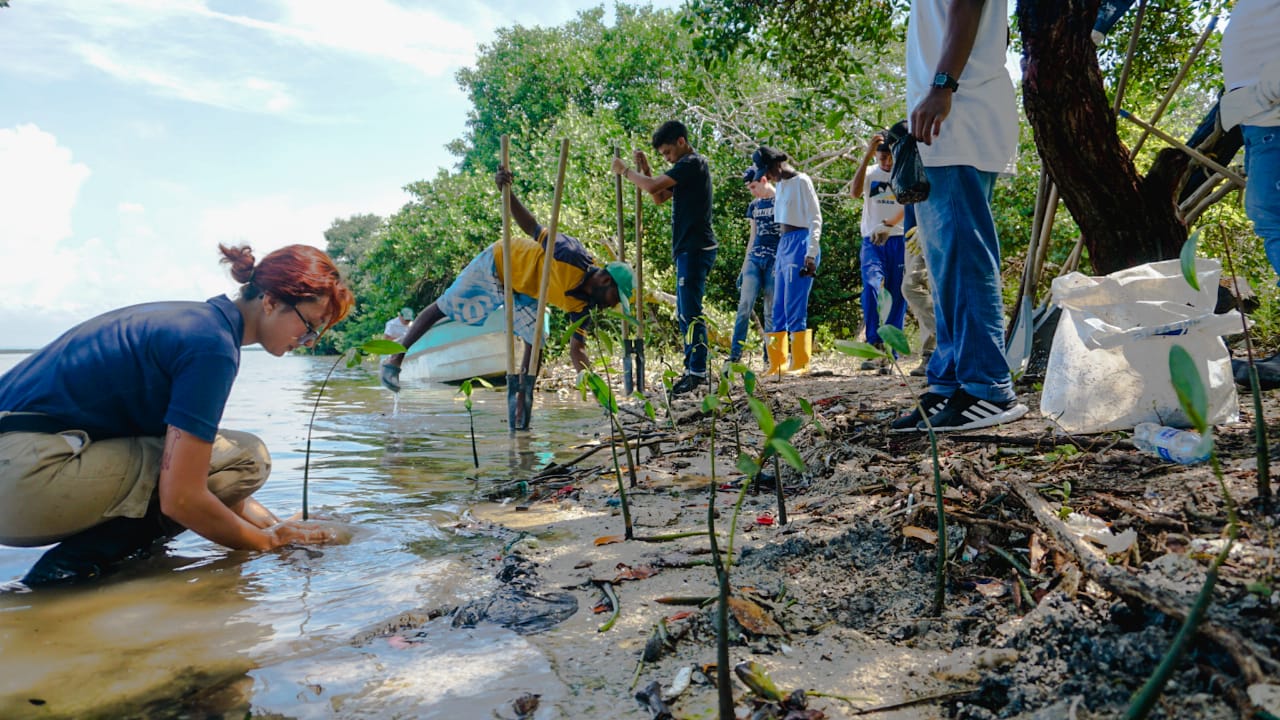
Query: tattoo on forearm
170, 442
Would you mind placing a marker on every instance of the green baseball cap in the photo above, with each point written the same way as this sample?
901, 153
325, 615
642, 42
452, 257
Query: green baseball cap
406, 313
625, 279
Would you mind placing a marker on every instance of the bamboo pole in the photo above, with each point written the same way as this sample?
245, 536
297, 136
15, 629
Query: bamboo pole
637, 303
509, 295
1128, 56
628, 384
548, 257
1173, 87
1199, 156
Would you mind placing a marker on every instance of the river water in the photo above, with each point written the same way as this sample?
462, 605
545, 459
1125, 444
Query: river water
199, 631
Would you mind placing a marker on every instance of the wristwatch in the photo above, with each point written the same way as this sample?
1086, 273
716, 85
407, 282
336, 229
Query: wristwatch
945, 81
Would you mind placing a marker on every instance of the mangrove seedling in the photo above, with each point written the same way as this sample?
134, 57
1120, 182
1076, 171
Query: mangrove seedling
1194, 401
465, 389
356, 356
724, 687
896, 342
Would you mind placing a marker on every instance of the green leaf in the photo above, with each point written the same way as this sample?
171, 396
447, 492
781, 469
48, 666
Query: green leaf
382, 347
710, 403
866, 351
747, 465
573, 328
1189, 387
465, 388
1188, 257
749, 382
884, 301
896, 339
648, 406
786, 428
764, 418
806, 407
787, 452
601, 390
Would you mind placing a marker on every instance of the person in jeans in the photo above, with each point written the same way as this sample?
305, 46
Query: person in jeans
1251, 69
882, 258
963, 114
687, 183
110, 437
799, 219
756, 277
916, 289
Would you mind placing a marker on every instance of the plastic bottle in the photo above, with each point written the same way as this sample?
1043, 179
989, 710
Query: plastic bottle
1180, 446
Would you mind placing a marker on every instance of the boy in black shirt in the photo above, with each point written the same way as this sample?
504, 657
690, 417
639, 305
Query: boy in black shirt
693, 243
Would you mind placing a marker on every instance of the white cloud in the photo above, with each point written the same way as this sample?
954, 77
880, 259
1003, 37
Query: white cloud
39, 184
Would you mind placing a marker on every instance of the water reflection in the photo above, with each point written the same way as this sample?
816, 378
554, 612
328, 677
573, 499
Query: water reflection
201, 630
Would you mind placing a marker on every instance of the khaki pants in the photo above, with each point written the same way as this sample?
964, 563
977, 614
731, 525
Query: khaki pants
53, 486
915, 288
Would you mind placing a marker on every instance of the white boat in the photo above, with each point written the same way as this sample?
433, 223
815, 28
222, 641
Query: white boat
453, 352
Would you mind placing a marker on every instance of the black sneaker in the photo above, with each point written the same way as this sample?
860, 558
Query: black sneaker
966, 412
1268, 372
932, 404
687, 384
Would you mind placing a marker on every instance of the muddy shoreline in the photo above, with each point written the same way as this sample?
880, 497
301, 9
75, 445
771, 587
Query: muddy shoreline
838, 601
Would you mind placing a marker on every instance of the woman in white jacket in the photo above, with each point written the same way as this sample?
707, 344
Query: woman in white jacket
799, 221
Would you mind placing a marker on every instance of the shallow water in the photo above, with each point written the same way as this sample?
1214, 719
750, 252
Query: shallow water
205, 632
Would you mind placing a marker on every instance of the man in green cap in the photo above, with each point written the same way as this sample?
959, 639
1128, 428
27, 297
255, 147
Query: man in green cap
577, 285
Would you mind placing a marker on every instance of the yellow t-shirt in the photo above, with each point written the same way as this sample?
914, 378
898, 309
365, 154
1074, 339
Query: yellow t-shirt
568, 267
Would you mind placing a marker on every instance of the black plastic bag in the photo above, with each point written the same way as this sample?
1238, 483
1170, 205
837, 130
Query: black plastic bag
908, 178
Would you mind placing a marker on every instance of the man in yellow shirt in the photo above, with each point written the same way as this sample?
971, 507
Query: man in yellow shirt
577, 285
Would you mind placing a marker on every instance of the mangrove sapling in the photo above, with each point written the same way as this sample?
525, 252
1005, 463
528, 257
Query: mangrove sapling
465, 389
777, 443
1194, 401
668, 379
724, 683
1261, 451
604, 395
896, 342
357, 354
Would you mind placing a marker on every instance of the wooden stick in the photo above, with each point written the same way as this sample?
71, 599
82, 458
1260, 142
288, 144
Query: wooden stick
1199, 156
548, 257
1119, 581
509, 294
1173, 87
1128, 55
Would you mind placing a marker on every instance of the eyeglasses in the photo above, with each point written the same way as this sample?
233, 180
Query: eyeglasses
311, 333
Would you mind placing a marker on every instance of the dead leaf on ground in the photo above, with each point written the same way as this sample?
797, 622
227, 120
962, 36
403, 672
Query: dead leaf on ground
640, 572
753, 618
919, 533
609, 539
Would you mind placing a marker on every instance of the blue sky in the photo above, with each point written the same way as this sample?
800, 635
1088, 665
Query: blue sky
135, 135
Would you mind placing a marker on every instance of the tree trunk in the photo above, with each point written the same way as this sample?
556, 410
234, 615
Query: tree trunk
1124, 218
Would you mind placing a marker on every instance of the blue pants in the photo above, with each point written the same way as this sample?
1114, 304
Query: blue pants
882, 267
790, 290
1262, 190
692, 269
962, 253
756, 278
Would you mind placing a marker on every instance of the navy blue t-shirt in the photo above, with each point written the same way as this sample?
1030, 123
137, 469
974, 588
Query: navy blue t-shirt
691, 205
766, 246
134, 371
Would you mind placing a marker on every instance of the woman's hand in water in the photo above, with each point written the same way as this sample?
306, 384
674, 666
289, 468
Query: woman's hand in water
306, 532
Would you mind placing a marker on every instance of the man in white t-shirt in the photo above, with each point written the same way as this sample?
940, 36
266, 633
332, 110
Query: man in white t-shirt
1251, 69
963, 114
397, 326
883, 253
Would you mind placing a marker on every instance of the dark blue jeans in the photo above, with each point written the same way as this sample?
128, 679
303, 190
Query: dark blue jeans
692, 269
756, 278
962, 251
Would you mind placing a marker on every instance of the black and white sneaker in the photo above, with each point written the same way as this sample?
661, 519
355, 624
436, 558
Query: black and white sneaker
966, 412
932, 404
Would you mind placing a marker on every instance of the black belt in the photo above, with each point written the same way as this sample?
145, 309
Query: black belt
32, 423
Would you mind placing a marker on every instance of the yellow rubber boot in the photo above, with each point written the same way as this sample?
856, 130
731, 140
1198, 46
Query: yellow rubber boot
801, 348
777, 350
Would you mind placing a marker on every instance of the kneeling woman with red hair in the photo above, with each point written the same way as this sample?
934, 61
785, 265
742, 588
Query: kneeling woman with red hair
109, 437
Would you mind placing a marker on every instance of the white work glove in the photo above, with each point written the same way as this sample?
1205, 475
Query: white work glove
391, 378
881, 234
